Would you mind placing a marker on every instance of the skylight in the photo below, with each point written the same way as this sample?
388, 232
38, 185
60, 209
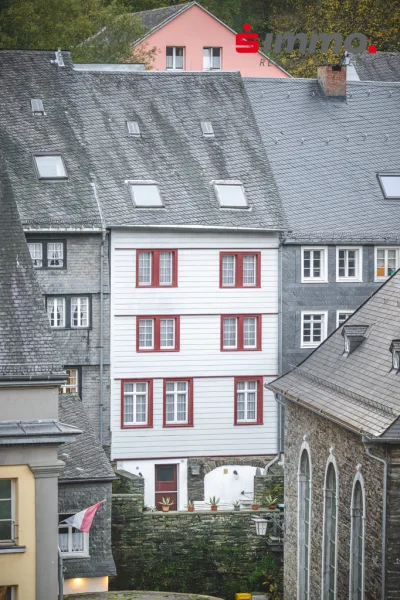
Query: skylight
390, 185
50, 167
207, 128
133, 128
146, 194
37, 106
230, 194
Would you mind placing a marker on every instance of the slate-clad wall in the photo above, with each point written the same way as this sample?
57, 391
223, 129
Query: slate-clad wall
81, 347
349, 452
331, 296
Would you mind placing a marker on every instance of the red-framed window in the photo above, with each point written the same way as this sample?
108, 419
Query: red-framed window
158, 334
178, 402
248, 400
136, 403
156, 268
240, 269
240, 332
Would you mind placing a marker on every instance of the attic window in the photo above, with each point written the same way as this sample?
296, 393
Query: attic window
50, 167
230, 194
395, 350
37, 106
207, 128
353, 335
145, 194
390, 185
133, 128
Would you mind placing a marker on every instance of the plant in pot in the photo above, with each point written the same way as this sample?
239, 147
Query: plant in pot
165, 504
271, 501
254, 506
236, 505
214, 503
190, 506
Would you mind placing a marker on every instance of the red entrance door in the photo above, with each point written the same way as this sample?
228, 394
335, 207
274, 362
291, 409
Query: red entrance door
167, 485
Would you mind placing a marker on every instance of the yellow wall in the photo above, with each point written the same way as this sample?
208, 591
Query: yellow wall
20, 569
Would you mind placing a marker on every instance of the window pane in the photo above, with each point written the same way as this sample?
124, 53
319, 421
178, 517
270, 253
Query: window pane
231, 196
141, 408
50, 167
5, 509
307, 263
56, 311
316, 263
55, 254
170, 58
36, 251
178, 58
165, 268
5, 489
251, 406
145, 267
249, 269
342, 263
241, 406
216, 58
146, 327
170, 405
228, 269
229, 337
249, 328
128, 388
391, 185
128, 408
167, 333
206, 59
80, 311
6, 530
145, 195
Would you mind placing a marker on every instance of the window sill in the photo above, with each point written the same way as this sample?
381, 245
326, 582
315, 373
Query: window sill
314, 281
306, 346
11, 549
66, 556
241, 423
167, 425
348, 280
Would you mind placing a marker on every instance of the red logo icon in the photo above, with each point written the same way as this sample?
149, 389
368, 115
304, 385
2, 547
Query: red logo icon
246, 41
372, 49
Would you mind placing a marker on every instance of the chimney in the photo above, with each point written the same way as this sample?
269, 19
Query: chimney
332, 78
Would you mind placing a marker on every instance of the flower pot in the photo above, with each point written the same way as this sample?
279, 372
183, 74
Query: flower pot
254, 507
214, 508
190, 508
236, 508
165, 508
272, 506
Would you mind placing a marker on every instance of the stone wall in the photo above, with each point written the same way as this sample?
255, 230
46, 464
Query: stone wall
393, 527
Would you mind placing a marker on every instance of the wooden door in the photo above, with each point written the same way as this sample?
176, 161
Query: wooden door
166, 485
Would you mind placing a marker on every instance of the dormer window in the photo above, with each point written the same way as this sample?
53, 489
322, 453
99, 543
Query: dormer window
50, 167
207, 128
395, 350
230, 194
353, 335
37, 106
390, 185
145, 194
133, 128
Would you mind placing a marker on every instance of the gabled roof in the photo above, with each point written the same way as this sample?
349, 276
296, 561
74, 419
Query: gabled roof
359, 391
325, 156
158, 17
84, 458
381, 66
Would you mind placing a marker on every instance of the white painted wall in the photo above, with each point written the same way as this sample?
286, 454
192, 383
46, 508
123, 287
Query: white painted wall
222, 482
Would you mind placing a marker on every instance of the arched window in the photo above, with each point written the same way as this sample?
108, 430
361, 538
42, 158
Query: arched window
357, 541
304, 525
330, 534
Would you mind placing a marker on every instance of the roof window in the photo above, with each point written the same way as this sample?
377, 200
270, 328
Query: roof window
50, 166
37, 106
230, 194
207, 128
145, 194
390, 185
395, 350
353, 335
133, 128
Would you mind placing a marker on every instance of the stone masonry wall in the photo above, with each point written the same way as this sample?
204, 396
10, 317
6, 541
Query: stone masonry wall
348, 450
393, 527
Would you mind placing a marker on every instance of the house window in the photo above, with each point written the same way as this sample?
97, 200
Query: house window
156, 268
178, 402
304, 525
175, 57
240, 269
207, 128
342, 316
314, 265
211, 59
241, 332
69, 312
390, 185
248, 400
50, 167
137, 403
7, 510
72, 542
7, 592
330, 534
157, 334
386, 262
37, 109
71, 386
357, 541
47, 255
145, 194
313, 328
230, 194
133, 128
349, 264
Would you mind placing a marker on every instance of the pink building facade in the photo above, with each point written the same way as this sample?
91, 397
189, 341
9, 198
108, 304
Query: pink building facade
195, 40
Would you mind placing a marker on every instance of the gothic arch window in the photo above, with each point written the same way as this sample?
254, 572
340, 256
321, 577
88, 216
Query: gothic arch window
330, 531
357, 539
304, 516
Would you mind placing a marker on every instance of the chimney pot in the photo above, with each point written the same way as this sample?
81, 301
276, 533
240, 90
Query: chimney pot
332, 78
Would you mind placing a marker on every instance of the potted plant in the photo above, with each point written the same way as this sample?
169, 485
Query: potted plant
190, 506
214, 503
165, 504
254, 506
271, 501
236, 505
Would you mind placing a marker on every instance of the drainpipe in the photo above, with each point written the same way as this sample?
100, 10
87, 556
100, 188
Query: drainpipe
384, 511
60, 576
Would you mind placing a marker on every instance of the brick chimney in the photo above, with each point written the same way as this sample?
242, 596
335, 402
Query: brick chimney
332, 78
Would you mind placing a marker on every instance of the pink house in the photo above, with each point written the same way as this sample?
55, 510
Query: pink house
189, 38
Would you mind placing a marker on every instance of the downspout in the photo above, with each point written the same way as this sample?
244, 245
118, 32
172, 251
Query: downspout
60, 575
384, 511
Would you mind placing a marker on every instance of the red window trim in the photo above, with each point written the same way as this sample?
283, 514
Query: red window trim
260, 396
149, 423
240, 333
239, 269
157, 320
155, 268
190, 402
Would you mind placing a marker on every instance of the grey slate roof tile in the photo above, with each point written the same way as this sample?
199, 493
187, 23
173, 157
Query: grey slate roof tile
381, 66
156, 18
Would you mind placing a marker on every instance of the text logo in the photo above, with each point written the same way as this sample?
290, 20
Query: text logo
247, 42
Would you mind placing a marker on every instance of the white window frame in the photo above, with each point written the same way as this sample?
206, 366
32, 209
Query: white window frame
174, 67
210, 58
63, 177
228, 183
342, 312
236, 333
140, 183
246, 391
382, 176
171, 264
66, 388
358, 264
300, 515
37, 106
70, 553
12, 520
255, 345
153, 332
33, 246
79, 299
60, 258
61, 300
324, 265
324, 590
174, 334
134, 394
133, 128
384, 277
357, 479
324, 328
175, 393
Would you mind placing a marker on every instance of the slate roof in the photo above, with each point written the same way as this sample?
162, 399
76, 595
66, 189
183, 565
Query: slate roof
381, 66
27, 432
27, 347
360, 391
84, 458
156, 18
325, 156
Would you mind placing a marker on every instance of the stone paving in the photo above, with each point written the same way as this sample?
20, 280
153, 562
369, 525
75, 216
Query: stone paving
138, 595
